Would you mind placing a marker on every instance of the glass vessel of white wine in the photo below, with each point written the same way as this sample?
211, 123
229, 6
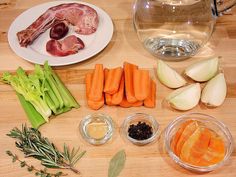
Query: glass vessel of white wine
176, 29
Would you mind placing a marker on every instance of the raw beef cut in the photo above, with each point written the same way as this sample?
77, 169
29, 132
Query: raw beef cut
82, 17
69, 45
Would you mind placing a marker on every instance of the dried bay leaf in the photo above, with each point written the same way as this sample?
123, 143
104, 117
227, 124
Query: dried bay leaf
117, 163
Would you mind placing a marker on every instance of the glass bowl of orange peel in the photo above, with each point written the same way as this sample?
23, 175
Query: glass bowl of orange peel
198, 142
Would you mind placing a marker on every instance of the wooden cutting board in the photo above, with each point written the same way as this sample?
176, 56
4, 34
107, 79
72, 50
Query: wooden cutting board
146, 161
151, 158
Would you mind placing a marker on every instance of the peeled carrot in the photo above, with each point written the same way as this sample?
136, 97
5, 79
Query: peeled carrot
92, 104
137, 103
141, 81
150, 101
107, 95
129, 88
117, 97
96, 104
112, 80
108, 98
97, 84
124, 103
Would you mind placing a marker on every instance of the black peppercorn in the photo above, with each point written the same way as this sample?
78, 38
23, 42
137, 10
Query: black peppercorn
140, 131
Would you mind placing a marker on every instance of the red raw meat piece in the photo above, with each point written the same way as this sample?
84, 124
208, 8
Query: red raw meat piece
69, 45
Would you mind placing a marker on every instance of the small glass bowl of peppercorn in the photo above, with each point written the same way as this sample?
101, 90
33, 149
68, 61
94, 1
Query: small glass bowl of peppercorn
140, 128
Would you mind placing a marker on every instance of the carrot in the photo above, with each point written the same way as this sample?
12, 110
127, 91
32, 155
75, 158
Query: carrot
108, 98
129, 88
137, 103
107, 95
92, 104
150, 101
117, 97
97, 84
112, 80
124, 103
96, 104
141, 81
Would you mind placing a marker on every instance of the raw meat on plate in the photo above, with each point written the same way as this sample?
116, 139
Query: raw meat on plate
82, 17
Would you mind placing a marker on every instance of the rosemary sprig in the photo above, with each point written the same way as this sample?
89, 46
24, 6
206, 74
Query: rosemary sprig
32, 144
30, 168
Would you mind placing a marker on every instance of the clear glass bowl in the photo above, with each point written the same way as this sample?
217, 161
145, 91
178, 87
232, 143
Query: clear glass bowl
140, 117
211, 123
96, 118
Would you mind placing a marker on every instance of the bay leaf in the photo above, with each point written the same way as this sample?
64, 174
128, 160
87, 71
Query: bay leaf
117, 163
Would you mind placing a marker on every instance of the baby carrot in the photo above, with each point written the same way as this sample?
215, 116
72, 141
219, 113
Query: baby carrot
97, 84
150, 101
112, 80
117, 97
129, 88
92, 104
141, 81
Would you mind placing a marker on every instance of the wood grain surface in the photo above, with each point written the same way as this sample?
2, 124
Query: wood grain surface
146, 161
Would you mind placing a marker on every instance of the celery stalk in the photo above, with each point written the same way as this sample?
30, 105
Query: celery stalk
32, 92
50, 103
55, 88
68, 99
62, 110
34, 117
66, 95
52, 95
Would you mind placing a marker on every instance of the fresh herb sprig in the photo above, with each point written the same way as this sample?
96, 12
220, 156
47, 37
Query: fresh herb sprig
32, 144
31, 168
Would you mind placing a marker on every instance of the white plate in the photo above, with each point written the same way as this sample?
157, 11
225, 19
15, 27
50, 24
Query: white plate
36, 52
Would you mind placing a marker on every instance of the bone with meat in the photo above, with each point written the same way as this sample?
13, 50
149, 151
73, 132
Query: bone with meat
82, 17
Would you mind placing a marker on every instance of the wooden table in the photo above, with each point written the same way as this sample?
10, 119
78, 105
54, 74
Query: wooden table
146, 161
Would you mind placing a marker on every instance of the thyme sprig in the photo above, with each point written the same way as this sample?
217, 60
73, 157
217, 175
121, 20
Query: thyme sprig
31, 168
33, 144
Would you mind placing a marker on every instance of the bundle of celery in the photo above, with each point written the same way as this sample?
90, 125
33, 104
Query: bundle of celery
41, 93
